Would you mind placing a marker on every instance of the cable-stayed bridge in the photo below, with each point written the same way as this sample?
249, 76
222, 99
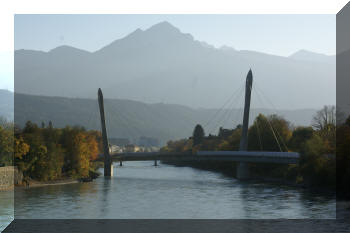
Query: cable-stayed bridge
242, 156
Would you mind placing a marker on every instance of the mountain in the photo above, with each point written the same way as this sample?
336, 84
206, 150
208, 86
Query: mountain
162, 64
133, 119
6, 104
304, 55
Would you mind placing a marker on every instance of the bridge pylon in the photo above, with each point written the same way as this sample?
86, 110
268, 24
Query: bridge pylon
108, 167
242, 168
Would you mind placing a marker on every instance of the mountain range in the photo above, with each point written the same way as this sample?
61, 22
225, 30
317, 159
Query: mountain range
132, 119
164, 65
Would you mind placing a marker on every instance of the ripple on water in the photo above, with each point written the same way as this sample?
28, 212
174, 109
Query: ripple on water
139, 190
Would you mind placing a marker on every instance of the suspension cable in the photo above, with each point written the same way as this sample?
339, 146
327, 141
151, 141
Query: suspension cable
269, 124
222, 107
274, 108
232, 101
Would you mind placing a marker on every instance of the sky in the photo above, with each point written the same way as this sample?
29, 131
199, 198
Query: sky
269, 33
274, 34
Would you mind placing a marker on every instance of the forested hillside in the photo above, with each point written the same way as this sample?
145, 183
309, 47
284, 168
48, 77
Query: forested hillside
132, 119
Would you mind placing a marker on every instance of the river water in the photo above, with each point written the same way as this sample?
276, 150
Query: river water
139, 190
6, 208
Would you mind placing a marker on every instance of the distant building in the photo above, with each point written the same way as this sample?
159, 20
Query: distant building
132, 148
115, 149
225, 133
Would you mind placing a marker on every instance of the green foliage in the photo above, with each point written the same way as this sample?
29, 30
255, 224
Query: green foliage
6, 142
198, 135
232, 143
299, 138
182, 145
317, 166
269, 133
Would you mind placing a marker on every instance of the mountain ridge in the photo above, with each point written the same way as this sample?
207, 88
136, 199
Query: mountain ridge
132, 119
173, 68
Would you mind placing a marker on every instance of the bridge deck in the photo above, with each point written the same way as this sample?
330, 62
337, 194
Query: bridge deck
236, 156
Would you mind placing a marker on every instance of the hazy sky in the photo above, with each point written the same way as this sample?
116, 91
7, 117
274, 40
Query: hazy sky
275, 34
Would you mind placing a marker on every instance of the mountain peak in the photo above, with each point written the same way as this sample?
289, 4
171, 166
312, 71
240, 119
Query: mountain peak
303, 52
306, 55
164, 26
66, 48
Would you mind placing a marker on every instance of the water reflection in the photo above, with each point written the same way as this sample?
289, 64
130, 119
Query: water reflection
140, 190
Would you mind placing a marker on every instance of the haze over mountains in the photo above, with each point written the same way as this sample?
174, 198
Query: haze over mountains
6, 105
162, 64
131, 119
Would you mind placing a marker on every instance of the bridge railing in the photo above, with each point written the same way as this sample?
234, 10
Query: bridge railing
273, 154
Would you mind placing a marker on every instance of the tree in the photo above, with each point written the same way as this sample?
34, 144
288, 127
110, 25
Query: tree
324, 118
232, 143
50, 153
198, 135
20, 148
6, 145
50, 125
269, 133
325, 123
299, 137
317, 167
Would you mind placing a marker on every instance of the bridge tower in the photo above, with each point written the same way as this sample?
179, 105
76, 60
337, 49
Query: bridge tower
108, 167
242, 168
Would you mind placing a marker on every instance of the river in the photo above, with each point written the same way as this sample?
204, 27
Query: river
139, 190
6, 208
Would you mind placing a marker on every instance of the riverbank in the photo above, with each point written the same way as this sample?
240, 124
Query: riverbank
34, 183
9, 177
31, 183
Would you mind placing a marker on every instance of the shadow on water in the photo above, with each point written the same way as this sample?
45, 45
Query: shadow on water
140, 190
106, 191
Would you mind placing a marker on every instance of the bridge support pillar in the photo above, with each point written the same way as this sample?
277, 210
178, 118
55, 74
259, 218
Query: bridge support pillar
108, 167
155, 163
242, 171
242, 168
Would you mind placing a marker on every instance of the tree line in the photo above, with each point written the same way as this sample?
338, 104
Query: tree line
316, 145
47, 153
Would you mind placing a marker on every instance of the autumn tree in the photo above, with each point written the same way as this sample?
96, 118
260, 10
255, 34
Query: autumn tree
269, 133
6, 145
50, 153
232, 143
